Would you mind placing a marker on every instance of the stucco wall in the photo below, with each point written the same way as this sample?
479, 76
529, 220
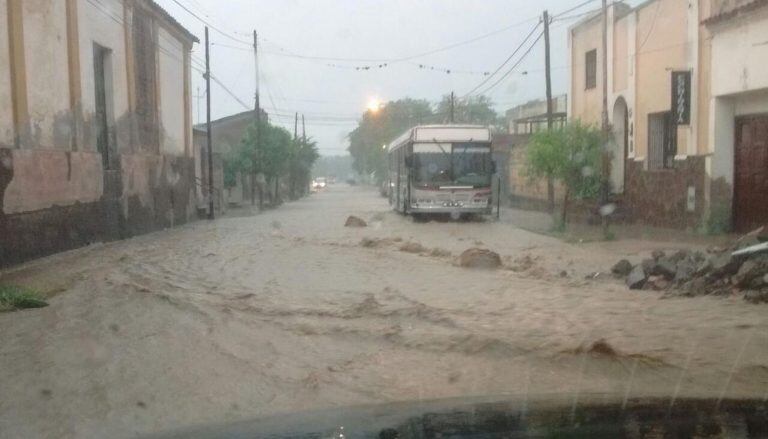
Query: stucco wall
739, 86
661, 47
171, 94
620, 56
6, 116
99, 25
44, 178
45, 49
739, 54
585, 104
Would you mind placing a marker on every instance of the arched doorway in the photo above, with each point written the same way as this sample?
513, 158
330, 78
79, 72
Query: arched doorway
620, 143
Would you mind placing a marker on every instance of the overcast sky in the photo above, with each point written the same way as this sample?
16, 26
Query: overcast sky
332, 97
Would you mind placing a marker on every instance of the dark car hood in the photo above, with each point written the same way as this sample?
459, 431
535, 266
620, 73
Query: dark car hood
588, 415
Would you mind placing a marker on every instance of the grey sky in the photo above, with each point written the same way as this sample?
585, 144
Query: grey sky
331, 97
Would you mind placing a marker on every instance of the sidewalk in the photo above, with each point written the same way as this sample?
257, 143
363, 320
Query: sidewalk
542, 222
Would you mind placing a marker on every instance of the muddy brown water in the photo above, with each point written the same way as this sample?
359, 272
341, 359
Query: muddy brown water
287, 311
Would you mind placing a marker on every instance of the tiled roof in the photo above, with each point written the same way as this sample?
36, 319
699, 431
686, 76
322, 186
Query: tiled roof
744, 7
162, 12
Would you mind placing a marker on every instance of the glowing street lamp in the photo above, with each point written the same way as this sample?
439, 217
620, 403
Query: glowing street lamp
374, 105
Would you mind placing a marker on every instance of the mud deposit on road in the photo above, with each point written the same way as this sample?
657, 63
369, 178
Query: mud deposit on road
290, 310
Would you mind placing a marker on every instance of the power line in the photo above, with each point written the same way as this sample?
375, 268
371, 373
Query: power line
288, 53
504, 63
580, 5
181, 5
511, 69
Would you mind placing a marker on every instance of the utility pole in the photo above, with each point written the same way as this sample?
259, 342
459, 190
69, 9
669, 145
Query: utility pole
296, 126
304, 181
547, 71
605, 66
257, 109
548, 78
208, 123
606, 156
452, 107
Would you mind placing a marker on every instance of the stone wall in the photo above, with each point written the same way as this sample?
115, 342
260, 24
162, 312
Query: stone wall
660, 198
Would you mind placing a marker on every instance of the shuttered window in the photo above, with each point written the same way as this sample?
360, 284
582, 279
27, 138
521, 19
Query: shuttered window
590, 62
662, 141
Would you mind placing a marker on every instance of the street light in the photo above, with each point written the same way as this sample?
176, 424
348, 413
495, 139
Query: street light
374, 105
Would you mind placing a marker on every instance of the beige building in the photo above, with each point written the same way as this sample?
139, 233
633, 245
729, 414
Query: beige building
95, 127
687, 95
531, 116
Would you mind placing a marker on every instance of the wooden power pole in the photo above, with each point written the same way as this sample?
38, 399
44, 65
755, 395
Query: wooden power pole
296, 126
211, 214
257, 110
548, 80
547, 70
605, 67
452, 107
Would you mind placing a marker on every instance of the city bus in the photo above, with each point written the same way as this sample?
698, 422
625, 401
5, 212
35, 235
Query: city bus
443, 169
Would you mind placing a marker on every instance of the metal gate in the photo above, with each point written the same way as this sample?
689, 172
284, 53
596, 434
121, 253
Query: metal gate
750, 191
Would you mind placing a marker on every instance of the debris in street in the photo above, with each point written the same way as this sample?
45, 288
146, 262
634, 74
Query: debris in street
479, 258
741, 268
353, 221
370, 242
523, 263
622, 268
439, 252
636, 278
412, 247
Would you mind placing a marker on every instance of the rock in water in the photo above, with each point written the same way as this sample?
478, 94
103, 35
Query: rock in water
750, 270
353, 221
685, 270
479, 258
666, 267
724, 264
636, 278
622, 268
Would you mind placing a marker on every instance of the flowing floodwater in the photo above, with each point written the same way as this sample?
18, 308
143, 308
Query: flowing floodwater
289, 310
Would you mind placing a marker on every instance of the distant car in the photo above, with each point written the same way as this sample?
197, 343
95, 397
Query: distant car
319, 183
351, 181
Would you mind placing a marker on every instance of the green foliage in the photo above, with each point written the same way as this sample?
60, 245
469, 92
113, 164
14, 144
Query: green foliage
476, 110
571, 155
270, 150
379, 128
14, 297
718, 221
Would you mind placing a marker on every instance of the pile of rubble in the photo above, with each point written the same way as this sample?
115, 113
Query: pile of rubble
741, 268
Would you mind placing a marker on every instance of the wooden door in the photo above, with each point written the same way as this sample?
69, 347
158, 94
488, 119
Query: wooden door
750, 202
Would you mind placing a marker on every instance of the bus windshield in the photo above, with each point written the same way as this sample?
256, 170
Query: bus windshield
461, 164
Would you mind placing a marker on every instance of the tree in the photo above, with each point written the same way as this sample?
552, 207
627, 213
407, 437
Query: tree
378, 128
476, 110
302, 155
571, 155
266, 152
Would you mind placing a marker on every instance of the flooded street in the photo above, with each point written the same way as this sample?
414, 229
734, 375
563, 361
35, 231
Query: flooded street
289, 310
